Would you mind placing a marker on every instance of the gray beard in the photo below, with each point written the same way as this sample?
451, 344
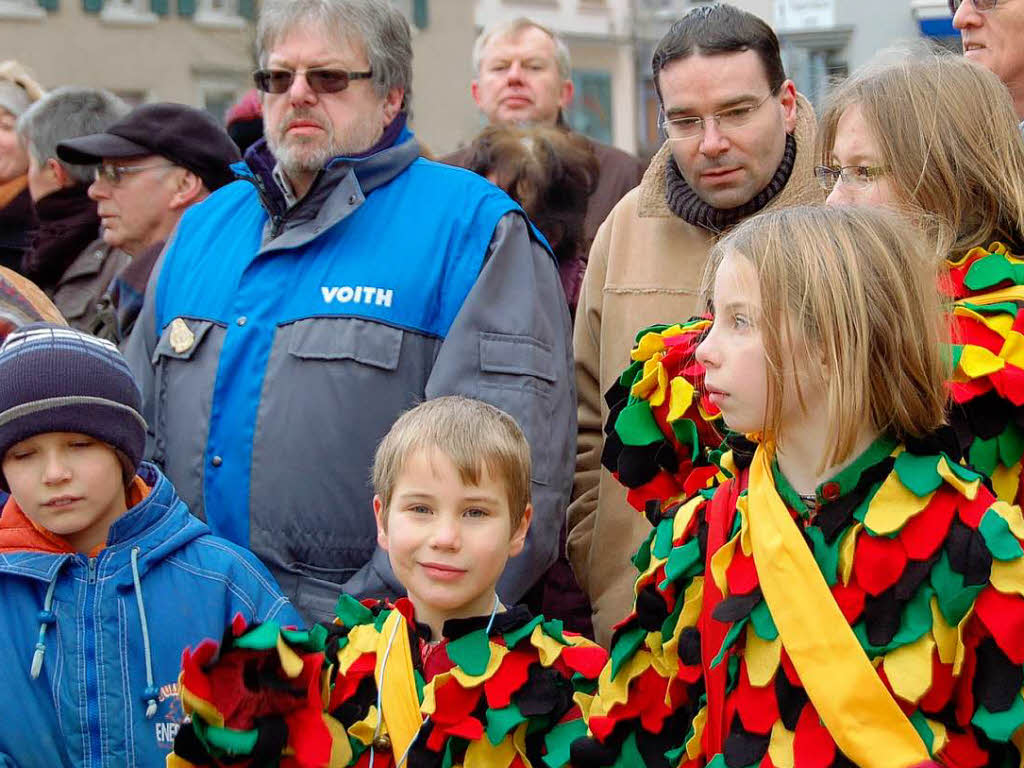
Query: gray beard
296, 156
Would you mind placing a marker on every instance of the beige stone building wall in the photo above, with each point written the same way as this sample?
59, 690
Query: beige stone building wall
208, 64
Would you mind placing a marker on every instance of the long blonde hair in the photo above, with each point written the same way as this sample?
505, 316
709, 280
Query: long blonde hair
948, 135
854, 287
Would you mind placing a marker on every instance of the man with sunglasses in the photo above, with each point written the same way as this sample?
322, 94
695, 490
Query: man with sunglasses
992, 33
739, 140
148, 168
299, 311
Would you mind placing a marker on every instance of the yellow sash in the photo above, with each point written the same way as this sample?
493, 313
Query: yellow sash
856, 708
400, 704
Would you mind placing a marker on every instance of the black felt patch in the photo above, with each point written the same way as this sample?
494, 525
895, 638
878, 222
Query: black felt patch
651, 610
743, 748
968, 553
791, 699
997, 680
736, 607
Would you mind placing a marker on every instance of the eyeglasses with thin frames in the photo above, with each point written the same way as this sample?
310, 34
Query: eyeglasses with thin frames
728, 119
979, 5
853, 176
113, 173
320, 80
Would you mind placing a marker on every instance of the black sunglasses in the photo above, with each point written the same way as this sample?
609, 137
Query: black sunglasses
979, 5
320, 80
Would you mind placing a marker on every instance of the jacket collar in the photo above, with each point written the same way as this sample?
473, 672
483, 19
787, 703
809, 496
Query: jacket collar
801, 187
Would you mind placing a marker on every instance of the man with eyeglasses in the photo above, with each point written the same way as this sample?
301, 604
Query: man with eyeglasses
68, 259
739, 140
992, 32
148, 168
343, 279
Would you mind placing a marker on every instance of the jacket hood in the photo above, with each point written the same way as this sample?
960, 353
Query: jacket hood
801, 187
158, 526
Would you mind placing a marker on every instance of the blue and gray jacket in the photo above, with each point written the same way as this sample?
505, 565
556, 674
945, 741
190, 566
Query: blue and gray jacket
277, 345
92, 645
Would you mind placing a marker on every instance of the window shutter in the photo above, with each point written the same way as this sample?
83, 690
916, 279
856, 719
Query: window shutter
420, 14
92, 6
247, 9
49, 5
186, 7
159, 7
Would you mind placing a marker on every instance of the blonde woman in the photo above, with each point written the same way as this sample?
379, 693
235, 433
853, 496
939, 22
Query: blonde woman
936, 136
17, 220
848, 596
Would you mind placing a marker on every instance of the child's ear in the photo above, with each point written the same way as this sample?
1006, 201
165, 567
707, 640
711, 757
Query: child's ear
518, 540
382, 529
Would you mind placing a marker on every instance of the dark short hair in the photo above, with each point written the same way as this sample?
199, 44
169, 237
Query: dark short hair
549, 171
717, 29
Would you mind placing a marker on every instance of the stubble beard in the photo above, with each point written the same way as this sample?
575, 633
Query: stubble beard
305, 154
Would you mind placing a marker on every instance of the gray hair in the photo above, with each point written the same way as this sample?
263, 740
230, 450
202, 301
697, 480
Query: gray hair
513, 28
376, 24
67, 113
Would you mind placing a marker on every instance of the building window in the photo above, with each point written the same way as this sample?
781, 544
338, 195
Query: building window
219, 13
218, 93
21, 9
128, 12
591, 110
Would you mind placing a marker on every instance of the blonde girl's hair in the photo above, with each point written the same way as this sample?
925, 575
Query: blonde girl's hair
950, 140
855, 288
472, 434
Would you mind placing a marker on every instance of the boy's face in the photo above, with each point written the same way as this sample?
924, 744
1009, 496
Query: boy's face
448, 542
68, 483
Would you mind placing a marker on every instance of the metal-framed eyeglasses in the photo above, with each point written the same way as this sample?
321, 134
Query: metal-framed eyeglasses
320, 80
979, 5
677, 128
113, 174
853, 176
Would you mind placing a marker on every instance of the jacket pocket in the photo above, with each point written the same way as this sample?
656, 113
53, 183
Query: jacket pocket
368, 343
518, 376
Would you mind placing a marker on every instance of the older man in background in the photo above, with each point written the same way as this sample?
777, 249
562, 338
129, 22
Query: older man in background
992, 32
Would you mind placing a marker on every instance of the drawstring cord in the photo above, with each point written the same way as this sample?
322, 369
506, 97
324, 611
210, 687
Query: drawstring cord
46, 618
149, 695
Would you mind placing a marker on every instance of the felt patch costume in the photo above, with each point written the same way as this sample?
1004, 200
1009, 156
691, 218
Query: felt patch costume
514, 697
925, 566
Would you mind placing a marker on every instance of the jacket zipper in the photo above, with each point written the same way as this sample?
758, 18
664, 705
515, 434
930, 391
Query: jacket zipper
91, 667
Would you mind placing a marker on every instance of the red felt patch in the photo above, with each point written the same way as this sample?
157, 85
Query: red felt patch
850, 600
962, 751
812, 745
979, 335
878, 562
924, 533
587, 660
758, 708
1009, 382
452, 715
741, 574
1004, 617
663, 486
941, 690
965, 391
512, 675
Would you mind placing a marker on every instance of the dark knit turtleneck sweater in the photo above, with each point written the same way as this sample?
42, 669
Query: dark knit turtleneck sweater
685, 203
68, 222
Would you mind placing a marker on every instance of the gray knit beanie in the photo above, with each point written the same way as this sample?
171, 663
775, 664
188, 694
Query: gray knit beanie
57, 379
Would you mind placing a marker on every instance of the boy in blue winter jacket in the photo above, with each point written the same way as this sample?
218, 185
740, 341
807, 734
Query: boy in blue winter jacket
104, 575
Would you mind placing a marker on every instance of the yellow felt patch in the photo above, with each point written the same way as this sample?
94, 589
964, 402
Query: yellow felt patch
700, 720
977, 362
429, 703
684, 515
584, 701
362, 639
365, 728
548, 649
1012, 293
892, 506
1013, 349
291, 662
341, 749
780, 746
482, 754
192, 703
846, 549
909, 668
1011, 513
761, 657
652, 379
939, 735
1008, 576
970, 490
742, 510
1001, 323
615, 692
680, 398
693, 601
720, 563
1005, 481
946, 637
650, 344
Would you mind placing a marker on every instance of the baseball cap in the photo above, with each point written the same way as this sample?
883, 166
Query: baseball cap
186, 136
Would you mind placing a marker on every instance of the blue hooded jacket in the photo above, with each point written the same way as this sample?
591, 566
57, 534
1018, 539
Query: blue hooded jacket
92, 645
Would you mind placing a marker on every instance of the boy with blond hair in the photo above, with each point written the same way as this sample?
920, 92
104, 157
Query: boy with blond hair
445, 676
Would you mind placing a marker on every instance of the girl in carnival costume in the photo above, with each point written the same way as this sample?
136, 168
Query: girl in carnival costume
850, 594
